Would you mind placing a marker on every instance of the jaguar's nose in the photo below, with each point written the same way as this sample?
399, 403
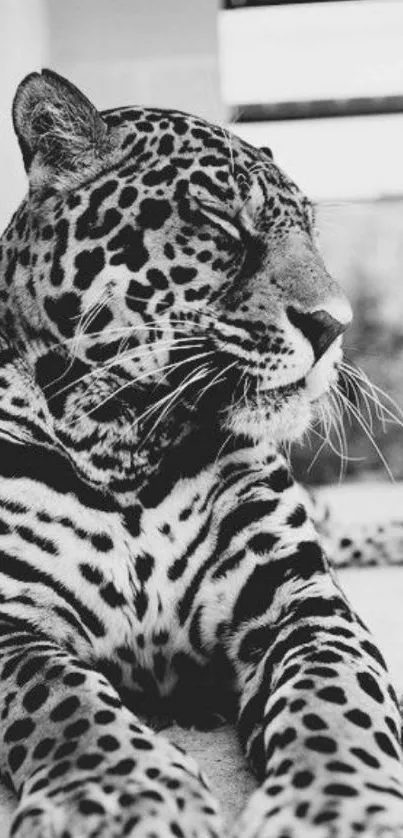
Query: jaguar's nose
321, 327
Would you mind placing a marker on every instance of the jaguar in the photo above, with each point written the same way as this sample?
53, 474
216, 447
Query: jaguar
167, 325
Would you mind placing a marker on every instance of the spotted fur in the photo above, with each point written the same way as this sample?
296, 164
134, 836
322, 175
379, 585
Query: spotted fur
167, 322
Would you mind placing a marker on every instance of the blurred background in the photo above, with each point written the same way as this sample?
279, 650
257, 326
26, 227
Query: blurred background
319, 82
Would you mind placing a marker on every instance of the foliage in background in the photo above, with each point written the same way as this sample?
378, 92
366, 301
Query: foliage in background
363, 247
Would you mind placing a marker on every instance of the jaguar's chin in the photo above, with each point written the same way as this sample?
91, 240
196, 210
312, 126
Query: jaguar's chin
246, 405
282, 414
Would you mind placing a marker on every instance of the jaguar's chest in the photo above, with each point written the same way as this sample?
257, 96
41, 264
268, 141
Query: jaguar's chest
125, 589
145, 602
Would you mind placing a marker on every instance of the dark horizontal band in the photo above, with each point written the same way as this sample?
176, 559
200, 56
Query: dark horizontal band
316, 109
248, 4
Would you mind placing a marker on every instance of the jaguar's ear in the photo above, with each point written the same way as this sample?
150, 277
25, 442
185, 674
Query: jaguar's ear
59, 131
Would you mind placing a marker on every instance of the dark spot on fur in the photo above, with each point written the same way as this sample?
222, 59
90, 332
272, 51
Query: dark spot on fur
20, 729
156, 177
302, 779
321, 744
359, 718
370, 687
166, 145
385, 744
64, 312
43, 748
182, 275
112, 596
16, 757
263, 542
89, 264
130, 249
365, 757
92, 223
314, 722
57, 272
340, 790
157, 279
65, 709
138, 294
279, 480
127, 196
153, 213
35, 698
335, 695
297, 517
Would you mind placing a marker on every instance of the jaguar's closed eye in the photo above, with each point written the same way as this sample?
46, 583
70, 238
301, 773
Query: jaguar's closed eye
219, 217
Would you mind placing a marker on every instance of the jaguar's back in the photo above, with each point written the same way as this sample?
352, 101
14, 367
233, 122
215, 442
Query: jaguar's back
167, 323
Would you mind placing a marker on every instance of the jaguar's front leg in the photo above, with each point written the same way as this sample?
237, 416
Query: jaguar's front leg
81, 763
317, 716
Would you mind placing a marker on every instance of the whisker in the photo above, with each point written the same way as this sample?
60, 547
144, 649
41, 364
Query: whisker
338, 428
84, 320
325, 441
350, 384
155, 326
359, 393
152, 408
155, 406
138, 378
132, 354
92, 310
372, 395
319, 450
361, 376
126, 331
222, 447
357, 415
182, 306
133, 329
220, 374
193, 376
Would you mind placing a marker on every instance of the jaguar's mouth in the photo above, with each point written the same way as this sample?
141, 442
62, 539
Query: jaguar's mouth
282, 413
285, 390
241, 399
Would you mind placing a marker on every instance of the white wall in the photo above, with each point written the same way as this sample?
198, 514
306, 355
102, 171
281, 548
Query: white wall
313, 52
151, 52
120, 52
23, 48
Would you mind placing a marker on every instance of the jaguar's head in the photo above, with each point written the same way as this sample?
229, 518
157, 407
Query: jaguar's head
168, 255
